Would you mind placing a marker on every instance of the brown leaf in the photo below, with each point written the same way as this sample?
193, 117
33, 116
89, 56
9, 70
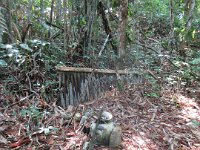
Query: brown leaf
20, 142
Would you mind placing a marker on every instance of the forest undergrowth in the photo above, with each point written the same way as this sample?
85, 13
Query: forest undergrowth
160, 112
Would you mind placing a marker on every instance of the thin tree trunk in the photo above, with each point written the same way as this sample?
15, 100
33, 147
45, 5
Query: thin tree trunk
10, 21
42, 9
42, 16
91, 20
190, 15
29, 10
171, 35
51, 16
78, 9
91, 8
86, 19
30, 14
58, 10
122, 27
65, 23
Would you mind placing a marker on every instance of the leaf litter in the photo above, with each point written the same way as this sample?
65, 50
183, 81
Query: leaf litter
171, 121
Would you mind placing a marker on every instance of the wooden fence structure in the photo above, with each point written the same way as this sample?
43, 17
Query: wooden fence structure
78, 85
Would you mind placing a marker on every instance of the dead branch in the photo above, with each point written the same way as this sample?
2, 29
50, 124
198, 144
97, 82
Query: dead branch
101, 11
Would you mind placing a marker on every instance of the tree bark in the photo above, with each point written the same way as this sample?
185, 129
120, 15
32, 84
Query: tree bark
171, 35
122, 27
58, 10
10, 21
51, 16
65, 24
190, 14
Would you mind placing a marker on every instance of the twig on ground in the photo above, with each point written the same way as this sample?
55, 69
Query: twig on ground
154, 115
21, 100
72, 116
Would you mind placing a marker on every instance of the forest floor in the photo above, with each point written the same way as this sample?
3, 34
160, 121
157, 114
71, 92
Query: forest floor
171, 121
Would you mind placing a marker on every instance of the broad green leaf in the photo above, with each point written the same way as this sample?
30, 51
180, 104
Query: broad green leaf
3, 63
156, 95
25, 46
195, 61
196, 123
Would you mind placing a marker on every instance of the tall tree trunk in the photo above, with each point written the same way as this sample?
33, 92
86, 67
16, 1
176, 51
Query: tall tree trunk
4, 24
42, 9
188, 16
91, 6
122, 27
191, 7
58, 10
10, 21
51, 16
171, 34
78, 10
65, 24
42, 16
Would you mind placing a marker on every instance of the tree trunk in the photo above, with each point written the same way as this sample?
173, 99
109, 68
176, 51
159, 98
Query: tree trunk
58, 10
10, 21
190, 14
65, 24
51, 16
122, 27
42, 9
171, 34
91, 6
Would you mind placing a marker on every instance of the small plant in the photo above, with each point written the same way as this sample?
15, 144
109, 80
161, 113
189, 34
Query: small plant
153, 94
33, 113
120, 85
196, 123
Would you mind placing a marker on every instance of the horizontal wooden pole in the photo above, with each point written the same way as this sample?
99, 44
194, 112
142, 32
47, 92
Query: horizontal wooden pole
90, 70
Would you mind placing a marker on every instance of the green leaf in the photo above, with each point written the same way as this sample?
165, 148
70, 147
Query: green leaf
3, 63
155, 95
82, 21
195, 61
25, 46
196, 123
